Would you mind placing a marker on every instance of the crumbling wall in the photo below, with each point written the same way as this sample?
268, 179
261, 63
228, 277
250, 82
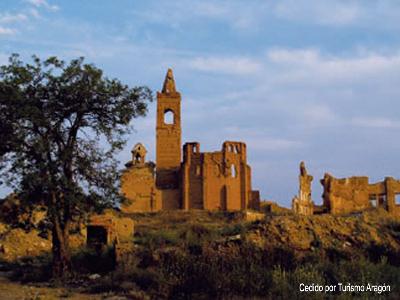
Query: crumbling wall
345, 195
193, 173
385, 194
217, 180
138, 186
353, 194
255, 200
302, 203
170, 199
109, 229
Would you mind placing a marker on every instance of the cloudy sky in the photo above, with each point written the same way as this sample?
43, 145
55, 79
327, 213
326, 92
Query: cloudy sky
312, 80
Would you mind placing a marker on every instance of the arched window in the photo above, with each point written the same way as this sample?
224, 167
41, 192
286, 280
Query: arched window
233, 171
198, 170
169, 117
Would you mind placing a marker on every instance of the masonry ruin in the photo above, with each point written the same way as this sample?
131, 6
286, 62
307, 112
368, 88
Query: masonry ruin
186, 178
302, 203
347, 195
108, 230
352, 194
219, 180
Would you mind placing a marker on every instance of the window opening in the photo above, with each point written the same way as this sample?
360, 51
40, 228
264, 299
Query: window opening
233, 171
397, 199
373, 201
169, 117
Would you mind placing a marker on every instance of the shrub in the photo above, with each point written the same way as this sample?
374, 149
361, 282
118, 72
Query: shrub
156, 239
88, 260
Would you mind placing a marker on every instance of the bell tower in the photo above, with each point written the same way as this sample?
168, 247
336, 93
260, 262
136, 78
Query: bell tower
168, 135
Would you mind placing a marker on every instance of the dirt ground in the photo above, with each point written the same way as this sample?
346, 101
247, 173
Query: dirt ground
16, 291
11, 290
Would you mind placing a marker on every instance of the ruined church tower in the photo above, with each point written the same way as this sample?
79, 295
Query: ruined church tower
168, 138
219, 180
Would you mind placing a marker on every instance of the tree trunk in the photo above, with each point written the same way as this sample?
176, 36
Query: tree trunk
62, 266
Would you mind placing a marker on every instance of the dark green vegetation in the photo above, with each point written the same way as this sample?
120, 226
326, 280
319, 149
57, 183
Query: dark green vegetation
217, 255
60, 126
204, 255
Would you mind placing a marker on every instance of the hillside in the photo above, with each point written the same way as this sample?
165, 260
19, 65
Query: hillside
350, 235
202, 254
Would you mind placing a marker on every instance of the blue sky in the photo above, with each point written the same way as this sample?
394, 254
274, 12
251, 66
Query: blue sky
312, 80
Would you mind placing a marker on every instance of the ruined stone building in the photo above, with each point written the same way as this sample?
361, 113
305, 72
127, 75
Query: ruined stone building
347, 195
219, 180
302, 203
356, 193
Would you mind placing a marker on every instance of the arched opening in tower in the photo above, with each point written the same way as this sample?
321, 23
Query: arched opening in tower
169, 117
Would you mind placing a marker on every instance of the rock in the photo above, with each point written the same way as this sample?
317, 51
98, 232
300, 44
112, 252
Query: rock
3, 228
252, 216
19, 243
94, 276
38, 215
346, 244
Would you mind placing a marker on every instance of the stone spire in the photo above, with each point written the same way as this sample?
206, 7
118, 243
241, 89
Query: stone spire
169, 83
303, 170
303, 204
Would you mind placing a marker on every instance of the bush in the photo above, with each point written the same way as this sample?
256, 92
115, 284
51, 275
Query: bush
235, 229
158, 239
88, 260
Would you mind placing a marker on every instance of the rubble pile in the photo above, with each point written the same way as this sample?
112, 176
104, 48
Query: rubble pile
350, 233
16, 243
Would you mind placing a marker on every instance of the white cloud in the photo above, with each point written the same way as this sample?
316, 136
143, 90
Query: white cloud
318, 113
10, 18
7, 31
236, 14
34, 13
376, 122
251, 15
43, 3
293, 56
299, 101
258, 140
264, 143
321, 12
341, 13
225, 65
310, 66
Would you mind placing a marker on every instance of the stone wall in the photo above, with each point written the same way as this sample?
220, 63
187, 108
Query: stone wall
354, 194
217, 180
138, 186
211, 180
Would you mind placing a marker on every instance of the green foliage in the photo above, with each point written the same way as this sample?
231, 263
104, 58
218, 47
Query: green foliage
156, 239
238, 228
60, 126
28, 269
245, 271
87, 260
376, 252
54, 119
